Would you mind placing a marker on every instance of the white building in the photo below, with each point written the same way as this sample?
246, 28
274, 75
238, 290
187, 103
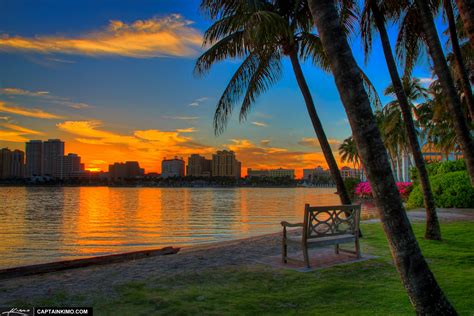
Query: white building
172, 167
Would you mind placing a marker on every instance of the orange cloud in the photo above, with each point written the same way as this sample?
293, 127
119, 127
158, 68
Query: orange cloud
156, 37
36, 113
267, 157
314, 142
100, 147
15, 133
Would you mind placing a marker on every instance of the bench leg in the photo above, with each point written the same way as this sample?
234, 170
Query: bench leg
337, 249
284, 248
357, 248
306, 256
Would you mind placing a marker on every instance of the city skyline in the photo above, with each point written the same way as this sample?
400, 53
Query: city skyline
131, 66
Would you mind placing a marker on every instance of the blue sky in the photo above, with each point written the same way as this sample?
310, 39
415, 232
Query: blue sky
102, 104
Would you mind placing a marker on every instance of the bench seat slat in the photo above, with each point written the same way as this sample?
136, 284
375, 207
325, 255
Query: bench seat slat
325, 241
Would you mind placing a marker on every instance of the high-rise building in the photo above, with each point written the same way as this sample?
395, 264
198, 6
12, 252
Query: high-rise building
224, 164
5, 163
198, 166
316, 173
34, 158
18, 164
127, 170
172, 167
69, 166
53, 152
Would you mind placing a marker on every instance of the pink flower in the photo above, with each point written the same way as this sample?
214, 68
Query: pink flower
364, 191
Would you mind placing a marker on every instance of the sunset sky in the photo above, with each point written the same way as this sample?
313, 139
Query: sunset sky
114, 80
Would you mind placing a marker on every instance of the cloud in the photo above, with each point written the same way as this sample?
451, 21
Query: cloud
15, 133
147, 146
16, 91
78, 105
314, 142
259, 124
187, 130
156, 37
36, 113
43, 95
198, 102
265, 142
183, 118
4, 118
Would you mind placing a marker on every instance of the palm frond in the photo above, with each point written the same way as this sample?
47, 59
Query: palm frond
234, 91
311, 48
267, 73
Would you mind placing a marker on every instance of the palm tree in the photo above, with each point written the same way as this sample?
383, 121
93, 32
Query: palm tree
458, 58
444, 75
466, 10
404, 128
437, 124
348, 152
423, 290
262, 33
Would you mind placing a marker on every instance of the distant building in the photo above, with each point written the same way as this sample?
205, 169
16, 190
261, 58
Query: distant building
198, 166
12, 164
253, 173
127, 170
280, 173
5, 163
68, 167
172, 167
347, 172
18, 164
316, 173
225, 164
272, 173
34, 158
53, 152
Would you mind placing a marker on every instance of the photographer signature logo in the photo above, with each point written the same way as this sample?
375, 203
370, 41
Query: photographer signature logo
16, 312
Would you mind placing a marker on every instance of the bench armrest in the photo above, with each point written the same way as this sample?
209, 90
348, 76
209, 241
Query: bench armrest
286, 224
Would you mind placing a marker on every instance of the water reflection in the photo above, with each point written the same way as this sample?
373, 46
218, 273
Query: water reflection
48, 224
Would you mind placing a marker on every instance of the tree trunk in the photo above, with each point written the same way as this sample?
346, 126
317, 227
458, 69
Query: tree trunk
318, 128
466, 10
444, 75
463, 73
433, 230
423, 290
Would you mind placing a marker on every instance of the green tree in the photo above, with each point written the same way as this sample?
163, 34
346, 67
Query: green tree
423, 290
348, 152
261, 33
444, 76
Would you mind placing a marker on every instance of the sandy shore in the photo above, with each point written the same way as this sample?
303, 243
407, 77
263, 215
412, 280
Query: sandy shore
103, 279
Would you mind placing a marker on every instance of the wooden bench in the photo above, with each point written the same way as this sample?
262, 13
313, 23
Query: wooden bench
324, 226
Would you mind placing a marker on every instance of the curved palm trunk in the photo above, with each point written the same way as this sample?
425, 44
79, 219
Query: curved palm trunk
422, 288
464, 76
432, 224
318, 128
466, 10
441, 68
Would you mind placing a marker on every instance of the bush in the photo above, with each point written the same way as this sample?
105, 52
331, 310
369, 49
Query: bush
351, 184
438, 168
452, 189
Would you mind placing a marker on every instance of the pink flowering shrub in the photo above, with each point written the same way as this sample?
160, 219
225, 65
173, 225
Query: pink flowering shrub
364, 191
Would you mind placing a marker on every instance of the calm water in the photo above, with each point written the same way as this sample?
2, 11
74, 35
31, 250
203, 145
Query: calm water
40, 225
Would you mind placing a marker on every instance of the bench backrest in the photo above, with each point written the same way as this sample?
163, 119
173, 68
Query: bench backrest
321, 221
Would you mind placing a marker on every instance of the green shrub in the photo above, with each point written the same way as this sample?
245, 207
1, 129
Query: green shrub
438, 168
452, 189
351, 184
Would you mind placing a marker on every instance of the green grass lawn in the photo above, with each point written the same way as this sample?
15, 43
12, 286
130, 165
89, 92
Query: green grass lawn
366, 288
